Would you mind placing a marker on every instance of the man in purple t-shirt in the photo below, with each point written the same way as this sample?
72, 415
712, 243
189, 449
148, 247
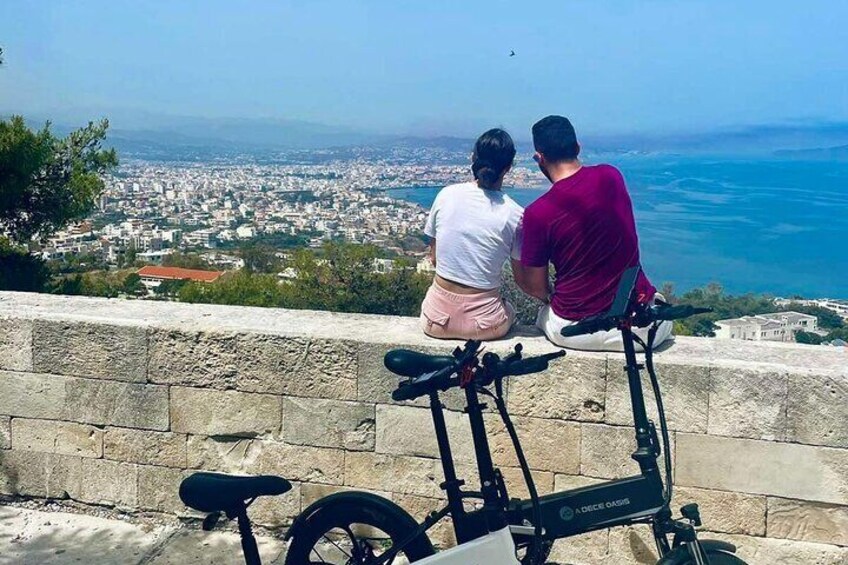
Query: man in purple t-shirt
584, 226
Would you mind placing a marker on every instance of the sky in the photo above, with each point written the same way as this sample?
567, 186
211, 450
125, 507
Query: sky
430, 67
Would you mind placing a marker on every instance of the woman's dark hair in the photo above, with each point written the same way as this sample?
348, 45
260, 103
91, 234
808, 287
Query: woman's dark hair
493, 155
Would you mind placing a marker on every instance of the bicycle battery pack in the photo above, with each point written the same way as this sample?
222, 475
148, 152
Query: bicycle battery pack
496, 548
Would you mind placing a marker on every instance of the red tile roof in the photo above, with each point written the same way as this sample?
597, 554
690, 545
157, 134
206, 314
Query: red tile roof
154, 272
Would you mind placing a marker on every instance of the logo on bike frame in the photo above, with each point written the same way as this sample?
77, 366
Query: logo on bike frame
567, 513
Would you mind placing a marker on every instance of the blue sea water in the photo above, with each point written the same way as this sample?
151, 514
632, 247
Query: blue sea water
752, 225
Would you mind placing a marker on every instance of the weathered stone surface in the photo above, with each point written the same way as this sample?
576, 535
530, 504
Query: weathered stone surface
407, 430
5, 432
195, 547
605, 451
109, 483
729, 512
15, 344
807, 521
394, 473
145, 447
514, 479
202, 359
225, 454
328, 423
231, 413
585, 549
549, 445
277, 511
746, 403
129, 405
572, 389
685, 393
302, 463
631, 545
571, 482
40, 474
757, 550
67, 438
297, 367
90, 350
159, 487
441, 534
763, 467
31, 395
817, 410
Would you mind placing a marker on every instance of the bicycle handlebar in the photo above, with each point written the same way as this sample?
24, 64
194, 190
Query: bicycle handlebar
643, 318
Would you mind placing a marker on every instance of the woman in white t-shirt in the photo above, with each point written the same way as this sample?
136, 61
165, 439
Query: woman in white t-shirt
473, 228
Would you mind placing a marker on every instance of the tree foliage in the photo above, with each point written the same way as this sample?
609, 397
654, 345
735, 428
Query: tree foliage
47, 182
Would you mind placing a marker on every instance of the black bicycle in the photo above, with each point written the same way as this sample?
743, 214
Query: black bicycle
361, 528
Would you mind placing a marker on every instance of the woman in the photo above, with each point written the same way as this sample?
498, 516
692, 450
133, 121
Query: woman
473, 228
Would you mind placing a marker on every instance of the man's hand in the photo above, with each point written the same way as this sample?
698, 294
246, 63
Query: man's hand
532, 280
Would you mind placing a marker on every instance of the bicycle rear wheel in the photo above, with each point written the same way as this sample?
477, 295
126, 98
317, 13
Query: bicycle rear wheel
353, 535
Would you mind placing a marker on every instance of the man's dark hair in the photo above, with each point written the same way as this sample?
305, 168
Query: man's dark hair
494, 153
554, 137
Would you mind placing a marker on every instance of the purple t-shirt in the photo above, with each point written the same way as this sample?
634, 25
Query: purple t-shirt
584, 225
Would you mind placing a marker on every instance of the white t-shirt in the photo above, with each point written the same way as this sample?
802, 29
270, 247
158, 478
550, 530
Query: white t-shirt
476, 230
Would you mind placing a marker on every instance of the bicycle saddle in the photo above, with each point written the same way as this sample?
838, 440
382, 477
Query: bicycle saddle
213, 492
407, 363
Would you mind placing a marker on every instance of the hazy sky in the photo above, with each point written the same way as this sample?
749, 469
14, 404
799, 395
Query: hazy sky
432, 66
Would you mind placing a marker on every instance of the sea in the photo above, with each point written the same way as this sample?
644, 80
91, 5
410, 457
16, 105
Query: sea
763, 225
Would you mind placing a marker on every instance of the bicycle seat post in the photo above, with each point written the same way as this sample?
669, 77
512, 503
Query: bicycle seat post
248, 542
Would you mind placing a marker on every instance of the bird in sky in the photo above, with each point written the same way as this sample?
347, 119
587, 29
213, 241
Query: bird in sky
512, 53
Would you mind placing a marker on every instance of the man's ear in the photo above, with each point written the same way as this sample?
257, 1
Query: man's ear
577, 147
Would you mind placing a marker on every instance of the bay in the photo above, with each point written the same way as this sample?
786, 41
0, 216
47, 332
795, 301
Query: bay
774, 226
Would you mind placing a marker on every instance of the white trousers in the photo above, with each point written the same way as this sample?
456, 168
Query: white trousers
551, 324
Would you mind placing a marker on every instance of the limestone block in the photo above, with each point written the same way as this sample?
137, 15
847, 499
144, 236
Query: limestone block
90, 350
145, 447
67, 438
312, 492
394, 473
109, 483
746, 403
48, 475
15, 344
32, 395
572, 389
756, 550
549, 445
571, 482
328, 423
817, 410
231, 413
763, 467
129, 405
159, 489
5, 432
297, 367
202, 359
585, 549
224, 454
606, 451
807, 521
407, 430
730, 512
685, 393
276, 511
375, 383
516, 486
632, 545
302, 463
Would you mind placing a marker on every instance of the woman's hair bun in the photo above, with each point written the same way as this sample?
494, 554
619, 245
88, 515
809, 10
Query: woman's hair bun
493, 155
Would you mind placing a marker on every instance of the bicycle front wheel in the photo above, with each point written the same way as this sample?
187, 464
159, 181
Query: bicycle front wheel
353, 535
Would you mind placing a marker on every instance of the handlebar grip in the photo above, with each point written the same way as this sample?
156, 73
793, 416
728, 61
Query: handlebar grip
533, 364
679, 312
586, 327
413, 388
407, 392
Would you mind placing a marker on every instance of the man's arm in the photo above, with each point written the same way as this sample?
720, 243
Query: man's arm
532, 280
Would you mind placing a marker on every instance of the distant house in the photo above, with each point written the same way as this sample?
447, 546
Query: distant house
779, 326
152, 275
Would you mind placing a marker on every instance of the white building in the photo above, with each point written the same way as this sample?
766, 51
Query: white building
779, 326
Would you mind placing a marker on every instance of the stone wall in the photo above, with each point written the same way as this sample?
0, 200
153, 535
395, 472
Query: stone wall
112, 403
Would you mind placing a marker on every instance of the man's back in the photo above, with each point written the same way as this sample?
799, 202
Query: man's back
584, 225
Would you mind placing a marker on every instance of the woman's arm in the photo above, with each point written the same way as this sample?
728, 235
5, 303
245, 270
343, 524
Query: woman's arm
433, 250
532, 280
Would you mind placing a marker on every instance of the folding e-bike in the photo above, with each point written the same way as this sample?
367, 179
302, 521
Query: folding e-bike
362, 528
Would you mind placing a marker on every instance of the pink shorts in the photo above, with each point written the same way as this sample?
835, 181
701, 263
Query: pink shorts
447, 315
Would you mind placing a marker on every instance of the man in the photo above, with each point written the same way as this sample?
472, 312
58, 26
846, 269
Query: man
584, 226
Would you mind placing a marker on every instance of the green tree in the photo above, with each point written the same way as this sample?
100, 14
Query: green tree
827, 319
47, 182
259, 258
808, 338
185, 261
21, 271
132, 285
